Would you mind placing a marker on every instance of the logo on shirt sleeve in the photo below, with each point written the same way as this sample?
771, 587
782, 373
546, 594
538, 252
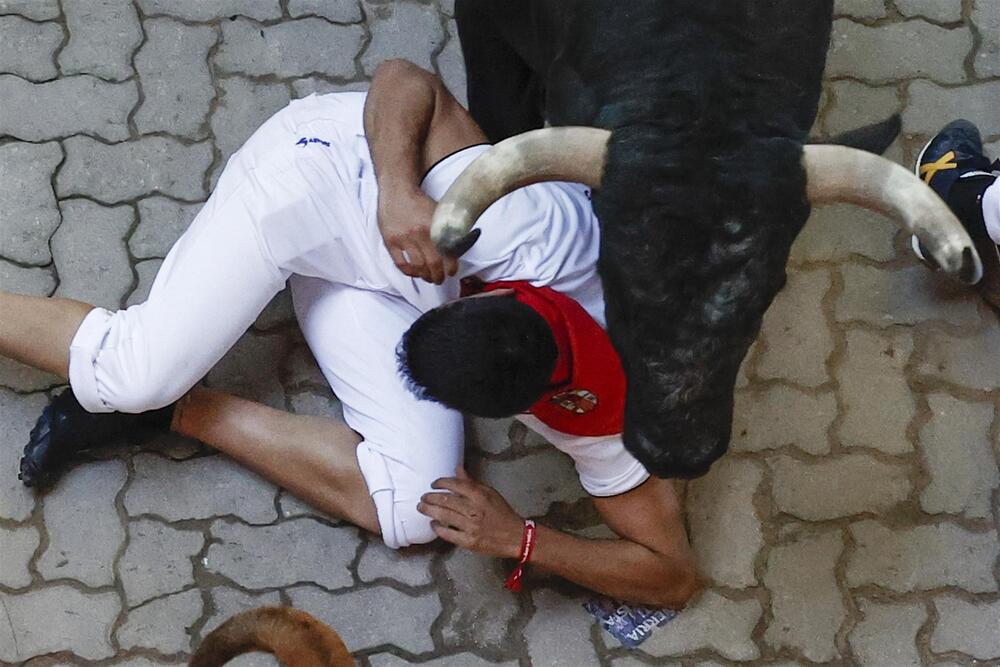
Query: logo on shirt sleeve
577, 401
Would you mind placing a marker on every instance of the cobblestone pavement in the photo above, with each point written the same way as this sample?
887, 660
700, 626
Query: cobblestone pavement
854, 522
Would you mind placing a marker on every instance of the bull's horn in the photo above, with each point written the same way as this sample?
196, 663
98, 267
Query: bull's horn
841, 174
552, 154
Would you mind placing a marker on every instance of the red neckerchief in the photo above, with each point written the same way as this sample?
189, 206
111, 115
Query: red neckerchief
587, 389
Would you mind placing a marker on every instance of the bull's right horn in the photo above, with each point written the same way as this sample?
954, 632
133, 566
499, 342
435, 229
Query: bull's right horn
552, 154
841, 174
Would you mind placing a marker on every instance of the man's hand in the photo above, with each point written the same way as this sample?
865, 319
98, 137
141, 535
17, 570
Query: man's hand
473, 516
405, 223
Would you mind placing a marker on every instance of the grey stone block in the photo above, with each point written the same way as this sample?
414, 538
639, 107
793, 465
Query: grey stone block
26, 48
721, 514
958, 454
904, 296
798, 341
370, 617
103, 35
162, 625
279, 312
533, 482
199, 10
133, 169
89, 251
861, 9
931, 106
74, 621
986, 17
313, 403
451, 65
808, 606
558, 633
856, 105
28, 281
310, 85
402, 30
198, 489
85, 533
17, 415
835, 233
157, 560
779, 416
176, 81
17, 545
887, 634
249, 369
298, 48
243, 107
410, 566
338, 11
969, 361
161, 222
147, 274
711, 622
488, 435
300, 551
36, 10
482, 609
898, 51
942, 11
922, 558
229, 602
457, 660
967, 627
28, 211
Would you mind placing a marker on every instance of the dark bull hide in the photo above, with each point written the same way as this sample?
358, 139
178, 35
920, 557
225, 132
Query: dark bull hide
703, 191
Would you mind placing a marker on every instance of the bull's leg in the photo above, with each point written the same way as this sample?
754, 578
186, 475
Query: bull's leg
505, 95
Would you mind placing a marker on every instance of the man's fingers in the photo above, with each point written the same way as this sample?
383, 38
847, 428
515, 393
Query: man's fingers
463, 487
400, 260
444, 515
418, 263
450, 534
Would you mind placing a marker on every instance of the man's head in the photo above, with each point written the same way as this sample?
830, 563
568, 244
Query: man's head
490, 356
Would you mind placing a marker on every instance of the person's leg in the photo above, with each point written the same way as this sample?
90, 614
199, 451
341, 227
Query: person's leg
312, 457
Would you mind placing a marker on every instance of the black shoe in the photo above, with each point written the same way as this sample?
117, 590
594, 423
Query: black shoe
65, 429
954, 166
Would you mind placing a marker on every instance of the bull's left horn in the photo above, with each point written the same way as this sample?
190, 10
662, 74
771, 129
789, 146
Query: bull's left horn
841, 174
552, 154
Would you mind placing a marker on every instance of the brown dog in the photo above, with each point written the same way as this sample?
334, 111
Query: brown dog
294, 637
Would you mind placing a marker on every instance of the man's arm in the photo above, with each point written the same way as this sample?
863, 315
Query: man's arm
411, 122
652, 563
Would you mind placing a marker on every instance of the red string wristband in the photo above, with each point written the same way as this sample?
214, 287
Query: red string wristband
513, 582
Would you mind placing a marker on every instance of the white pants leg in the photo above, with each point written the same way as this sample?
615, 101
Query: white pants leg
213, 285
408, 443
991, 210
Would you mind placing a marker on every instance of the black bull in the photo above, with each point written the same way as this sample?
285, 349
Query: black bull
710, 103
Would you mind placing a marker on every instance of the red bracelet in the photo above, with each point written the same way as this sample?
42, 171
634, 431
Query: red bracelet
513, 582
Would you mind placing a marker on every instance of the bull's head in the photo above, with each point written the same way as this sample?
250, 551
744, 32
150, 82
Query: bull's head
684, 308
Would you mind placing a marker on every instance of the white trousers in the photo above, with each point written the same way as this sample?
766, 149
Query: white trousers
211, 288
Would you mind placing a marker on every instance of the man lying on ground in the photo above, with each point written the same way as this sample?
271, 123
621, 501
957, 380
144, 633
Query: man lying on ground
308, 199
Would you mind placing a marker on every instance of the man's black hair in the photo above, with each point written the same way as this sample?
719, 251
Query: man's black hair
490, 357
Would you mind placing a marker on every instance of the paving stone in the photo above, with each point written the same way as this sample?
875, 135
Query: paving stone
942, 11
558, 635
28, 211
835, 233
243, 107
447, 7
310, 85
897, 51
986, 17
861, 9
37, 10
402, 30
176, 81
18, 414
198, 489
533, 482
338, 11
300, 370
318, 405
103, 35
720, 515
778, 416
162, 625
635, 662
855, 105
279, 312
85, 533
931, 106
887, 634
242, 372
199, 10
302, 47
922, 557
968, 627
451, 65
26, 47
798, 341
904, 296
408, 566
290, 506
958, 454
89, 251
488, 435
157, 560
161, 223
457, 660
370, 617
292, 546
711, 622
147, 273
133, 169
73, 621
807, 604
145, 662
17, 545
967, 362
833, 488
482, 609
874, 390
229, 602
